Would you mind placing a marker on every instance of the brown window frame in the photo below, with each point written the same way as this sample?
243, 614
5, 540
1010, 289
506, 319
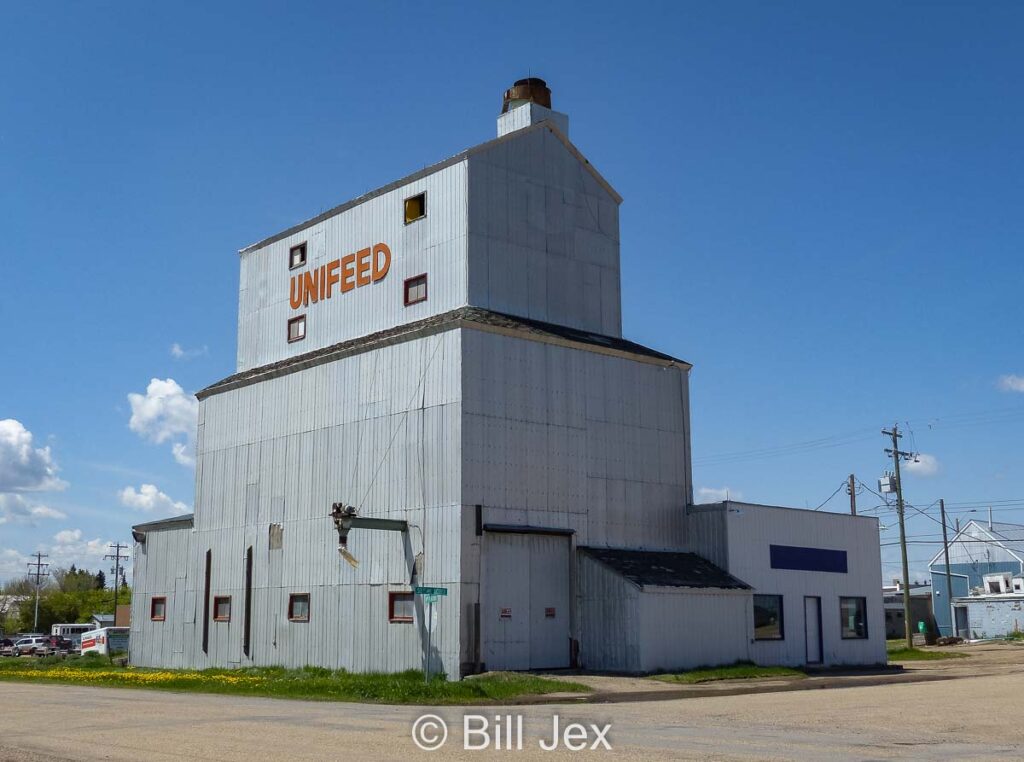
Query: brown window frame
216, 600
291, 251
152, 608
296, 319
392, 595
309, 606
405, 208
405, 289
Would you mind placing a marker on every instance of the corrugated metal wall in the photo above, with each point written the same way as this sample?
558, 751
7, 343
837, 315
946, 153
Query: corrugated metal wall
435, 245
161, 568
566, 438
609, 617
624, 628
685, 628
379, 430
543, 235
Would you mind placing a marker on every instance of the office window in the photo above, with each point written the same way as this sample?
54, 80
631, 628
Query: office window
401, 607
768, 623
222, 608
416, 290
853, 618
415, 208
297, 329
298, 607
297, 256
158, 608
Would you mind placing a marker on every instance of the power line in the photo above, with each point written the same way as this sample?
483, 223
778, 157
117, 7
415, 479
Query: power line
38, 574
822, 505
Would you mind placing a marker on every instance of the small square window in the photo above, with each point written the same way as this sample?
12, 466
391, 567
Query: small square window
297, 329
853, 618
416, 290
415, 208
297, 256
401, 607
222, 608
158, 608
298, 607
768, 623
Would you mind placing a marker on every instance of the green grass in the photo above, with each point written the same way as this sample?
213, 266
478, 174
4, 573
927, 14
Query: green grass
310, 683
916, 654
738, 671
1015, 635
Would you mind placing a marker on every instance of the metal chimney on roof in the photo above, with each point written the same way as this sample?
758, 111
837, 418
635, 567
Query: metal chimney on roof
526, 103
529, 90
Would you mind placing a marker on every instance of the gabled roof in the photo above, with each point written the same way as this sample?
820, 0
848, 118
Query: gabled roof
426, 171
657, 568
1008, 536
463, 317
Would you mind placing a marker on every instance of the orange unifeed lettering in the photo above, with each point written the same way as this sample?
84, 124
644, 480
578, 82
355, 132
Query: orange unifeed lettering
362, 268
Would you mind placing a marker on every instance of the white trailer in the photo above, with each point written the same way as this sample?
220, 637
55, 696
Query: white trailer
105, 640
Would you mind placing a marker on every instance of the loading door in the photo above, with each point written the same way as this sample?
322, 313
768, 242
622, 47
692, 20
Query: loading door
524, 601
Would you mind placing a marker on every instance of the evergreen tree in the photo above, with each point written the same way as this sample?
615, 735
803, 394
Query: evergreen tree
101, 580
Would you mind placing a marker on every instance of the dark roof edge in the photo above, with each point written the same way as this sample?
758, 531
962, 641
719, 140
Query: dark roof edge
419, 174
187, 519
595, 552
462, 317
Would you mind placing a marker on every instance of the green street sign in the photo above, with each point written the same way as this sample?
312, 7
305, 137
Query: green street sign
435, 591
430, 599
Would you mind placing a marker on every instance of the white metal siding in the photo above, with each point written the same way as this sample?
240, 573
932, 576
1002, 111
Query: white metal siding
379, 430
543, 235
565, 438
685, 628
609, 615
435, 245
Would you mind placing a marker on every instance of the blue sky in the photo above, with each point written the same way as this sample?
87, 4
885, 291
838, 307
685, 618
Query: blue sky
822, 213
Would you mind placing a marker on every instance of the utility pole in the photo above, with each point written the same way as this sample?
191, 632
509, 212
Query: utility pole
897, 455
852, 489
116, 557
949, 577
38, 574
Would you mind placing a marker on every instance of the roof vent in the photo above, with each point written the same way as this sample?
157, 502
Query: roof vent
529, 90
526, 103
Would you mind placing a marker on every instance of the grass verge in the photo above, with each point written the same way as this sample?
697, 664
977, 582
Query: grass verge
916, 654
740, 671
309, 683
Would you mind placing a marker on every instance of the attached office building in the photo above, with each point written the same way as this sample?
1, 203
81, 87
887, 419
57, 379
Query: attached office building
434, 375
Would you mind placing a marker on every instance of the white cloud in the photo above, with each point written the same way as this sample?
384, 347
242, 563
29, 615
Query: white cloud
148, 498
24, 468
1011, 383
183, 454
717, 494
165, 412
15, 509
179, 352
923, 465
69, 548
12, 563
68, 536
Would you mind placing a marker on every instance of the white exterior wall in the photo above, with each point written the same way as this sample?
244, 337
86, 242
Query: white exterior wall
564, 438
282, 451
435, 245
993, 617
609, 616
752, 528
543, 235
624, 628
686, 628
161, 568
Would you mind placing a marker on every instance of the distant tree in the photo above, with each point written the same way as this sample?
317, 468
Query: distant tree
100, 581
72, 579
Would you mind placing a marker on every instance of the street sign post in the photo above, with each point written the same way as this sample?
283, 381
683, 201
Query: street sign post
430, 596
